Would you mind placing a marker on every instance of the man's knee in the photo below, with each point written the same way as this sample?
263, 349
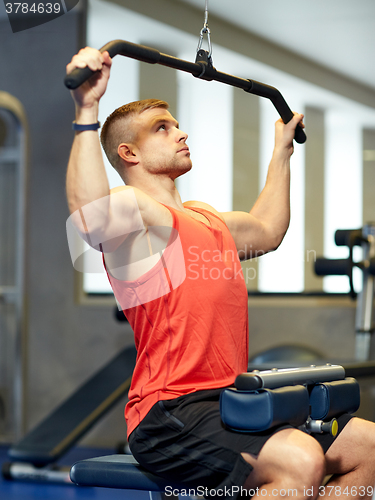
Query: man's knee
289, 457
353, 448
309, 464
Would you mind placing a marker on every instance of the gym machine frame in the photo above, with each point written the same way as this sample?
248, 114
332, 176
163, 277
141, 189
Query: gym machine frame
35, 455
14, 155
364, 321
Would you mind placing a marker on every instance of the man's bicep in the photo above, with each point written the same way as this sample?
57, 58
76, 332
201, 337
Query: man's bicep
251, 236
105, 223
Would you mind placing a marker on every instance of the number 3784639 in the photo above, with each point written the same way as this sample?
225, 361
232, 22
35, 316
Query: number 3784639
34, 8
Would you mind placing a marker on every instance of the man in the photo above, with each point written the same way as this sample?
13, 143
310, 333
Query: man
187, 303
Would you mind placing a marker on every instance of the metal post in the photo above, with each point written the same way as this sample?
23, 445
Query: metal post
14, 156
364, 315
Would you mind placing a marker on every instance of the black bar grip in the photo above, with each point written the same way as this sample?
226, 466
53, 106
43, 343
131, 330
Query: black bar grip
300, 135
263, 90
78, 76
348, 237
116, 47
332, 267
204, 71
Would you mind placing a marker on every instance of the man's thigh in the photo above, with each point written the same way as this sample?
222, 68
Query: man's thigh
291, 450
185, 439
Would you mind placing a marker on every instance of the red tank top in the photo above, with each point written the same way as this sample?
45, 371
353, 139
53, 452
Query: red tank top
189, 315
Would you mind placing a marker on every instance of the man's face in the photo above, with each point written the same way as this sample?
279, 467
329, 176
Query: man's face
161, 144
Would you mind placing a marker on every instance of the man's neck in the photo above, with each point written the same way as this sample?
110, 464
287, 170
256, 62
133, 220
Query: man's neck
162, 189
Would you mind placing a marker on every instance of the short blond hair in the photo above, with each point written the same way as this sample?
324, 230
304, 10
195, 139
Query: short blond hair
116, 128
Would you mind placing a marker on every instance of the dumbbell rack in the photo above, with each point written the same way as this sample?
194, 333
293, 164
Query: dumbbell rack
364, 323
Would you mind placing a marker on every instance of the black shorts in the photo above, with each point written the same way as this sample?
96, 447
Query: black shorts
185, 441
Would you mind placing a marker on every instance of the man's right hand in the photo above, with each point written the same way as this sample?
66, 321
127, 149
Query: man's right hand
89, 93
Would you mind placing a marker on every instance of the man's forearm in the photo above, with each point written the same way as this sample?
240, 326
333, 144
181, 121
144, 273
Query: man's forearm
86, 176
272, 207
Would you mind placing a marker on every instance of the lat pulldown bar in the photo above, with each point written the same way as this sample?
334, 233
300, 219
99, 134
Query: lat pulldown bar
202, 69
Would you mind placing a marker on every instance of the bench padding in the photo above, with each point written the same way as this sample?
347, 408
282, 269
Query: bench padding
330, 399
117, 471
256, 411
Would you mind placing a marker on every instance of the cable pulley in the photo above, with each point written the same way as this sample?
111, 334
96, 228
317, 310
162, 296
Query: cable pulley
205, 31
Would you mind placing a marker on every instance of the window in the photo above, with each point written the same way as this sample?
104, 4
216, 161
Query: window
205, 112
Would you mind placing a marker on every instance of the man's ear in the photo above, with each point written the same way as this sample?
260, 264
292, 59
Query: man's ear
128, 153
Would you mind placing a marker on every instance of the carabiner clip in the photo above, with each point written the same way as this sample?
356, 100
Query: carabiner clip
204, 30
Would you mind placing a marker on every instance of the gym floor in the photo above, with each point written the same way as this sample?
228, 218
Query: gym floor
16, 490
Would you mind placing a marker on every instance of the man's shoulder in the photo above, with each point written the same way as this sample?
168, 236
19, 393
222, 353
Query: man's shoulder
200, 204
123, 189
152, 212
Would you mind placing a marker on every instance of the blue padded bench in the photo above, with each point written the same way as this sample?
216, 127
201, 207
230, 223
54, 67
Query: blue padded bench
259, 401
120, 471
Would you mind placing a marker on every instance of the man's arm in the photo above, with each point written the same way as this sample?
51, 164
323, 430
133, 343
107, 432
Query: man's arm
264, 227
86, 179
103, 220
